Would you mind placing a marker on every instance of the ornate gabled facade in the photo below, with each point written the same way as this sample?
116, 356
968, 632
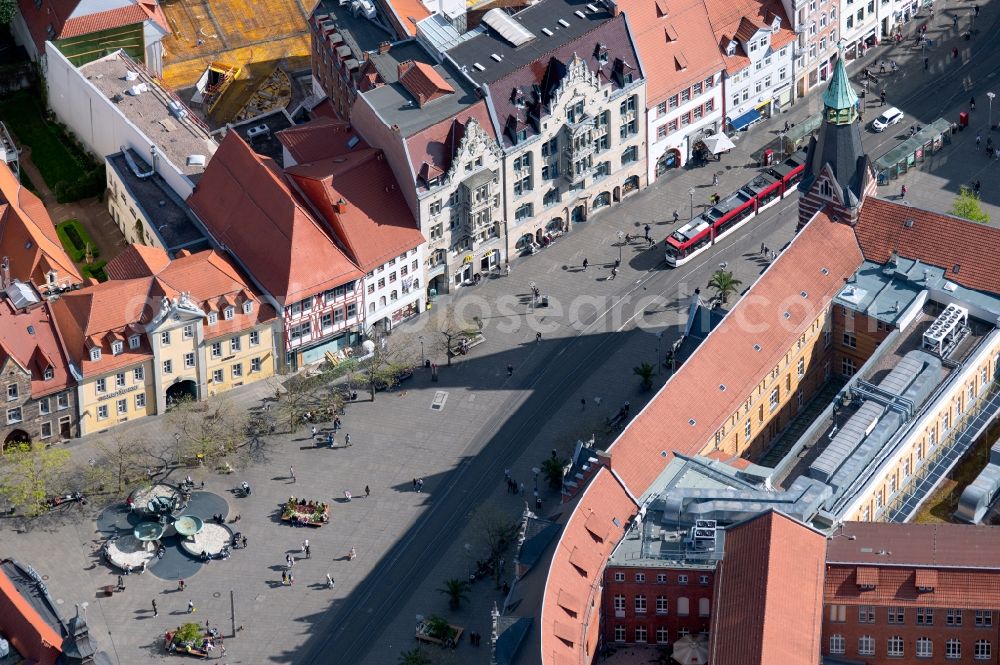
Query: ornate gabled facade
460, 202
838, 174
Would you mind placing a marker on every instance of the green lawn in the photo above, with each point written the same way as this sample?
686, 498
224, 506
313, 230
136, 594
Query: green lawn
68, 172
74, 239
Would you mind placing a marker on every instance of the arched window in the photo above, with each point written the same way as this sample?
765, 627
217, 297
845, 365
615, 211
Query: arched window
394, 296
371, 307
825, 189
381, 301
703, 607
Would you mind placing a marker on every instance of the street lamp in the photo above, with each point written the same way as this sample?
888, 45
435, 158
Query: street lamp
421, 338
534, 297
990, 96
691, 194
621, 242
659, 336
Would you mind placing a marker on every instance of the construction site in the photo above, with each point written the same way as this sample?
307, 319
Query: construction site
233, 59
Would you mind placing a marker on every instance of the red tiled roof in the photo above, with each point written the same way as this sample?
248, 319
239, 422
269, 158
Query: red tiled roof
27, 631
60, 15
664, 30
769, 594
432, 149
358, 197
27, 236
969, 588
727, 356
246, 204
322, 138
111, 309
106, 20
934, 238
577, 568
137, 261
408, 12
324, 109
30, 338
421, 81
740, 19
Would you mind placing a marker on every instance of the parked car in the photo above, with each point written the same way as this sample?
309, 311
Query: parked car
890, 116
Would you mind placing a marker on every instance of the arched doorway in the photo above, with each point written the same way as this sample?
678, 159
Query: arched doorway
539, 234
631, 185
671, 159
616, 195
579, 214
15, 439
601, 200
182, 391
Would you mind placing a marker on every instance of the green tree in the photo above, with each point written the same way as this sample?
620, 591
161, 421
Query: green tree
552, 469
457, 592
724, 284
645, 372
414, 657
7, 10
29, 476
968, 206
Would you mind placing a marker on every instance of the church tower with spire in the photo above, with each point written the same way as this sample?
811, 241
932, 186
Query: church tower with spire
838, 174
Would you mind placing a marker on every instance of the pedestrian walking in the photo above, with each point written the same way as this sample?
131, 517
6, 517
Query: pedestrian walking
288, 560
284, 578
954, 56
414, 484
508, 270
156, 612
538, 337
677, 216
308, 552
315, 431
646, 231
329, 581
927, 64
291, 472
585, 264
902, 192
583, 403
291, 579
881, 67
420, 484
180, 585
975, 187
715, 179
347, 439
305, 545
881, 97
627, 407
521, 489
352, 555
954, 20
975, 8
191, 608
510, 370
972, 103
978, 139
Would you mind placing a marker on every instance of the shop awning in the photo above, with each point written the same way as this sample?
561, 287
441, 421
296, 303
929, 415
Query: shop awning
745, 120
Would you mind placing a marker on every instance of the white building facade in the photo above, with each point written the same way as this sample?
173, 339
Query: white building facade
764, 84
675, 124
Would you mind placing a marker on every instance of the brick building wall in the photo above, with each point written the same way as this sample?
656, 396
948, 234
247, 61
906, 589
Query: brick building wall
33, 419
855, 337
862, 633
655, 605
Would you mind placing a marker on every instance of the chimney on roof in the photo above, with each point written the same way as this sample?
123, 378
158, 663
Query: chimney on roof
92, 281
384, 47
181, 253
340, 207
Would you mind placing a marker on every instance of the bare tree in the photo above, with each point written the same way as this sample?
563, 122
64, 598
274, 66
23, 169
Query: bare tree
308, 393
206, 434
122, 459
387, 366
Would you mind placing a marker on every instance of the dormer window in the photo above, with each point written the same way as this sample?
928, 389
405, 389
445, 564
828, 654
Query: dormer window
48, 374
116, 348
95, 354
753, 46
731, 48
133, 342
776, 25
248, 307
213, 318
51, 277
228, 313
